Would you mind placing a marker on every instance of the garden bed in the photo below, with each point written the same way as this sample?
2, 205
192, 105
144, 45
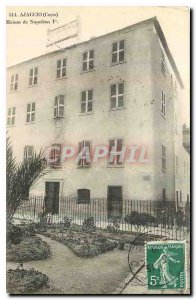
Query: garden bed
30, 248
25, 281
83, 244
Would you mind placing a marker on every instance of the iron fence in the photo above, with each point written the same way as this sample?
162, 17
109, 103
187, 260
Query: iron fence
159, 218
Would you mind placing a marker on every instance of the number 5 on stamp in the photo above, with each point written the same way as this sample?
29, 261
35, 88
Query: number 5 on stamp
165, 265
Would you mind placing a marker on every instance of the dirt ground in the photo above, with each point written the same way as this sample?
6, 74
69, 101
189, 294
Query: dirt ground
74, 275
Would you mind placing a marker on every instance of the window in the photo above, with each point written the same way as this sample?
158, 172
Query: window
59, 106
118, 52
28, 152
84, 149
163, 103
14, 83
115, 145
55, 154
61, 68
88, 60
162, 62
83, 196
176, 165
164, 158
33, 76
87, 101
30, 112
117, 95
11, 116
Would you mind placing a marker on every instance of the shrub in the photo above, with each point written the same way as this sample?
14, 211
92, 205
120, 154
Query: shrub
42, 218
31, 248
25, 281
89, 225
139, 219
111, 228
14, 234
28, 230
75, 227
66, 223
99, 238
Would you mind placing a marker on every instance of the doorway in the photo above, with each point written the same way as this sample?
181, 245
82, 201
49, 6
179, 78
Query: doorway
52, 197
114, 199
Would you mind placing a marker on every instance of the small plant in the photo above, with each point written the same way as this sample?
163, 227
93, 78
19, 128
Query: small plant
66, 223
14, 234
116, 224
121, 244
111, 228
89, 225
42, 217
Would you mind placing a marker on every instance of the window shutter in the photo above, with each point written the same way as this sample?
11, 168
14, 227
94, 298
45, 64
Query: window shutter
55, 107
25, 152
111, 145
80, 146
87, 144
119, 148
58, 155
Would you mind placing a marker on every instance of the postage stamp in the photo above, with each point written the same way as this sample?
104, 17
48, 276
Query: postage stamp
166, 265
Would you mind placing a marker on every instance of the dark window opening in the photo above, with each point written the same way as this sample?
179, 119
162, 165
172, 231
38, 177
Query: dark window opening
83, 196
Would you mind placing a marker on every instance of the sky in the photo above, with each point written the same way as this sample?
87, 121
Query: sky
28, 41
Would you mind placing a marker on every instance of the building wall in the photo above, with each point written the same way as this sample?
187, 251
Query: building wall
140, 122
167, 130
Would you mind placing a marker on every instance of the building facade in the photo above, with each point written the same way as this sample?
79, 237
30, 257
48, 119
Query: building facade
120, 89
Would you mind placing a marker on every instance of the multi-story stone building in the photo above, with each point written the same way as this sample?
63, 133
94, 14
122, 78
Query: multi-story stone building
122, 88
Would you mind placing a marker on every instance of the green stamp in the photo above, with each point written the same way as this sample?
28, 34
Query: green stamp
165, 264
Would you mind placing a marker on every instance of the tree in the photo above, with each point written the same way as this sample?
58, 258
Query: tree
21, 178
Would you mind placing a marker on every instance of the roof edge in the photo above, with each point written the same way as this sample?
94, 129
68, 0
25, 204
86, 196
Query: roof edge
152, 20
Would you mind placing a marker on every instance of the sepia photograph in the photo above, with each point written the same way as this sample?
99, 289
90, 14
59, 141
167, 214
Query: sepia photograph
98, 194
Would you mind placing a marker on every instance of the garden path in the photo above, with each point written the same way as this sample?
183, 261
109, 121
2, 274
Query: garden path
74, 275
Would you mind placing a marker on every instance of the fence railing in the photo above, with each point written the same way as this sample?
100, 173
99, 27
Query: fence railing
158, 217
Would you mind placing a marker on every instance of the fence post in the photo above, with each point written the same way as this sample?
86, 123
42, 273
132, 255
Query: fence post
34, 210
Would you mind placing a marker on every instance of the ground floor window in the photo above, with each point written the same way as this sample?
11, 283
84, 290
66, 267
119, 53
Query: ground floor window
83, 196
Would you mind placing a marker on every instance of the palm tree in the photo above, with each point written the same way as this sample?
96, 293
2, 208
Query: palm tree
21, 178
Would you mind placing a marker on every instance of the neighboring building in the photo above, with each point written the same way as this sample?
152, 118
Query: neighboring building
122, 88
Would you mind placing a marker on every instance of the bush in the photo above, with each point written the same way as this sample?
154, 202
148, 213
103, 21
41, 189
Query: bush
31, 248
89, 225
75, 227
85, 244
43, 218
14, 234
90, 250
139, 219
28, 230
111, 229
25, 281
66, 223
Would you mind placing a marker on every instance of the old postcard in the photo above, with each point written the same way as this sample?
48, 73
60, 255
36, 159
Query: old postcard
98, 150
